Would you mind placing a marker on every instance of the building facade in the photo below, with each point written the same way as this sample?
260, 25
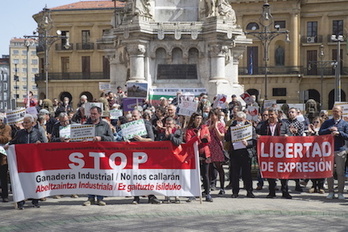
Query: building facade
76, 63
24, 64
5, 84
304, 68
299, 70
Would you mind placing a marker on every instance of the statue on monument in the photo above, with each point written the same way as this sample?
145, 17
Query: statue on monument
139, 7
225, 9
210, 8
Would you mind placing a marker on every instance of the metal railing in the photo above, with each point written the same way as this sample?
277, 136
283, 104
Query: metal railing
72, 76
84, 46
270, 70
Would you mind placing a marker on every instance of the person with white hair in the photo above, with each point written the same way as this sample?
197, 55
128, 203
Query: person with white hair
240, 157
29, 134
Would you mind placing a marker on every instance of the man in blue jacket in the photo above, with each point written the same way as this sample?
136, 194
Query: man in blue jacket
339, 129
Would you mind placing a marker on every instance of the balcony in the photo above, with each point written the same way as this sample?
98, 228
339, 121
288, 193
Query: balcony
312, 39
85, 46
72, 76
62, 47
271, 70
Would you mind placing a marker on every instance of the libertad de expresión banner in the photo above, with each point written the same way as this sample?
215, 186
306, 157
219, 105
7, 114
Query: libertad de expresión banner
296, 157
103, 168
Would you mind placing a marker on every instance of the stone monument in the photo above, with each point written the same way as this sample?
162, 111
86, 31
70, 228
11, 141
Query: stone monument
178, 43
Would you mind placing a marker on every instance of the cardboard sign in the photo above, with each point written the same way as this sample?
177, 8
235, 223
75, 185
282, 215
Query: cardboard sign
115, 114
131, 129
239, 133
15, 116
82, 132
187, 108
137, 90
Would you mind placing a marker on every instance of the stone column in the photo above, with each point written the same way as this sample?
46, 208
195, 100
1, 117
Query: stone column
217, 62
137, 65
295, 41
113, 72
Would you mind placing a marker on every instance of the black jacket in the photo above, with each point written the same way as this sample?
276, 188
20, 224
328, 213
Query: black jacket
25, 137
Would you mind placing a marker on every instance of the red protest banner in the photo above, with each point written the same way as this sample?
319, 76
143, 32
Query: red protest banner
296, 157
103, 168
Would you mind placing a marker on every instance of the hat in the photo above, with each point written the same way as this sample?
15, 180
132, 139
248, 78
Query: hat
44, 111
234, 95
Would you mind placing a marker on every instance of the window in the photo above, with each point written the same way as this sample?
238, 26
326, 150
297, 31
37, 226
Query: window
34, 62
24, 61
15, 52
65, 64
24, 52
16, 61
279, 91
65, 41
33, 87
33, 53
24, 70
253, 26
337, 27
106, 68
282, 24
86, 67
312, 29
85, 36
24, 87
34, 70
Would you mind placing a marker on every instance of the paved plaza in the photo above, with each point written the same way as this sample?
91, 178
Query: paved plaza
305, 212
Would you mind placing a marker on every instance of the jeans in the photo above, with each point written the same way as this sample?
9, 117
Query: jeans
99, 198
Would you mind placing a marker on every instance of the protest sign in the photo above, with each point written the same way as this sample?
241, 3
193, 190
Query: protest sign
246, 97
344, 106
239, 133
82, 132
115, 114
104, 86
104, 168
220, 101
296, 157
31, 110
65, 132
253, 113
15, 116
129, 104
268, 103
89, 105
131, 129
187, 108
137, 90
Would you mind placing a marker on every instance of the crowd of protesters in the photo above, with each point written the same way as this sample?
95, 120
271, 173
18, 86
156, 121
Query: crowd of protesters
210, 125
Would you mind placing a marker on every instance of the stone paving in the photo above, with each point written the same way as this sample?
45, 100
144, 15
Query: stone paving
307, 212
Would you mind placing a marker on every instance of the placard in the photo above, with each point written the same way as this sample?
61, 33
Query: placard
131, 129
187, 108
115, 114
239, 133
84, 132
65, 132
220, 101
137, 90
15, 116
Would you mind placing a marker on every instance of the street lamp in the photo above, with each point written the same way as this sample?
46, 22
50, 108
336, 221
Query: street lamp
28, 43
337, 65
16, 79
46, 40
266, 35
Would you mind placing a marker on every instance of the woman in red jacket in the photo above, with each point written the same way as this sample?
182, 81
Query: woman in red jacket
196, 128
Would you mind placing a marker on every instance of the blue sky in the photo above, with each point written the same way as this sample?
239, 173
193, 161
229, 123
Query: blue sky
16, 18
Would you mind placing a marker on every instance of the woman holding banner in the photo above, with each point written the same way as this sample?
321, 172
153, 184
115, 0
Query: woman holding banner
196, 128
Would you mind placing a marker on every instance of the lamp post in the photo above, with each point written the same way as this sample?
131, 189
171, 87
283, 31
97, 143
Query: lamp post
266, 35
28, 43
16, 79
338, 86
46, 40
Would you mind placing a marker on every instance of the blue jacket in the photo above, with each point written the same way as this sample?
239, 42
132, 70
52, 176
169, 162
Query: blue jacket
342, 127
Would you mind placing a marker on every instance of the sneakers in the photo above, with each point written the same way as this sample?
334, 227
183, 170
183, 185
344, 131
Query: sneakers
208, 198
101, 203
89, 202
154, 200
341, 197
136, 200
321, 191
331, 195
312, 190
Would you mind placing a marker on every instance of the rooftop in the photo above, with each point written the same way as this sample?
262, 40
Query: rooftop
82, 5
